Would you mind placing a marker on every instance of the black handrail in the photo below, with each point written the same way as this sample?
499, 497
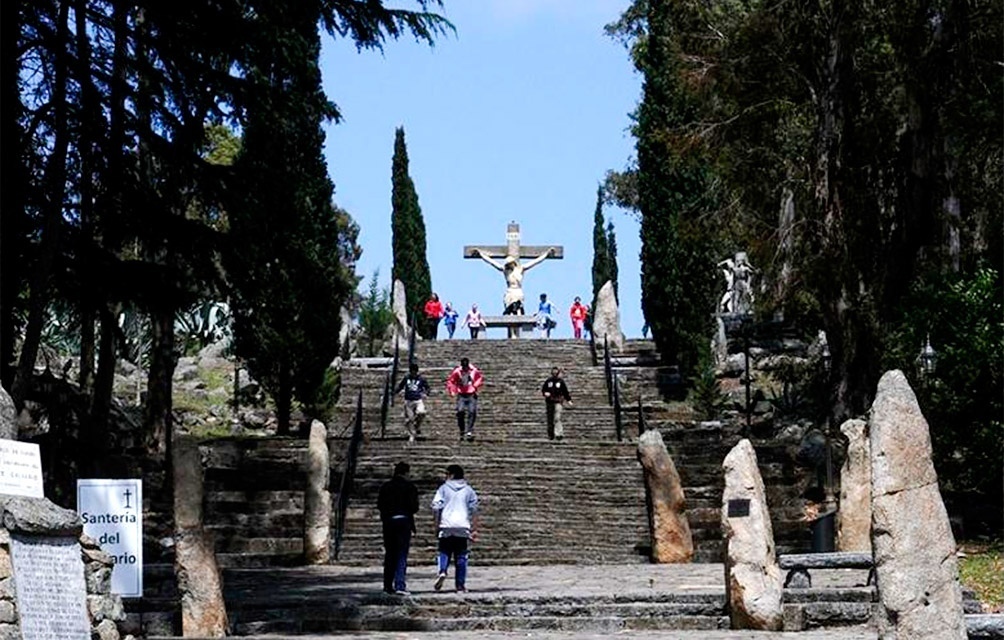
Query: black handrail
394, 369
348, 474
411, 343
608, 372
641, 418
385, 403
592, 347
618, 421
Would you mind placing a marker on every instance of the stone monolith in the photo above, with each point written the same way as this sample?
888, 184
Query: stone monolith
317, 498
607, 318
671, 538
918, 575
752, 575
854, 518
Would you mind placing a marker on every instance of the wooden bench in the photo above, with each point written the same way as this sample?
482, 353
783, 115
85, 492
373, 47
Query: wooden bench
798, 565
512, 323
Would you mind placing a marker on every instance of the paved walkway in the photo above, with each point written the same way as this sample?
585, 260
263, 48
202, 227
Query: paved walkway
621, 581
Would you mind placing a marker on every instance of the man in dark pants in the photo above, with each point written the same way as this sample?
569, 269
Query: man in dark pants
556, 394
398, 504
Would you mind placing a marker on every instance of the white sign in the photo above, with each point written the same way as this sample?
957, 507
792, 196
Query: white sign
112, 511
20, 469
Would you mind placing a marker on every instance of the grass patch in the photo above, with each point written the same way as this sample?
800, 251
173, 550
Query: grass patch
982, 570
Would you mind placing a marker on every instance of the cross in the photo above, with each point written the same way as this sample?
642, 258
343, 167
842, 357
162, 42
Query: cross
512, 248
127, 495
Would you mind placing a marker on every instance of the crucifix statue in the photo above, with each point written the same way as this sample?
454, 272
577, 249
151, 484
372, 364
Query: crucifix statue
511, 267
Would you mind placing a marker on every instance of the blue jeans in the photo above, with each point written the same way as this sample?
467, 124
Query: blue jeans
396, 541
455, 547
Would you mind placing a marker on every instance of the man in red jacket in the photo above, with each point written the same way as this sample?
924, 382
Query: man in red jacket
464, 382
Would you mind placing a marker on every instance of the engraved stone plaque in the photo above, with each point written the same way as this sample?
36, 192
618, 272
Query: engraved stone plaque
51, 594
739, 508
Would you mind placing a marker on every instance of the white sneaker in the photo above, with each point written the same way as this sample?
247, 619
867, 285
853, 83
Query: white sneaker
440, 579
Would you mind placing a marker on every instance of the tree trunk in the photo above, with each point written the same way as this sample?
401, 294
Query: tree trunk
12, 197
55, 183
104, 380
159, 383
88, 138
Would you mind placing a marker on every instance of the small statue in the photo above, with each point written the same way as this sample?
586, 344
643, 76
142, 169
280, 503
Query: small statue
738, 297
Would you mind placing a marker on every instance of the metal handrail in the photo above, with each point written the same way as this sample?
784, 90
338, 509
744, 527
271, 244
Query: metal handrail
394, 369
608, 372
592, 347
348, 474
385, 404
618, 421
411, 343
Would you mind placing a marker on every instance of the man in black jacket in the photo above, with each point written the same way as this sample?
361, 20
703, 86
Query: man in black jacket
555, 393
398, 504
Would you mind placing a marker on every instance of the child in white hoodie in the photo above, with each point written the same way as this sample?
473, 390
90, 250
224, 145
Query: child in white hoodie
455, 507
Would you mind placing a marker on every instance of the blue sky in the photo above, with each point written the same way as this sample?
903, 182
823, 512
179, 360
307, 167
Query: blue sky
516, 117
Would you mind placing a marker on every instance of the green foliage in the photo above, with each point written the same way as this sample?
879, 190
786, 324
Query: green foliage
674, 192
601, 249
612, 257
375, 317
201, 325
292, 264
963, 404
982, 570
411, 266
706, 395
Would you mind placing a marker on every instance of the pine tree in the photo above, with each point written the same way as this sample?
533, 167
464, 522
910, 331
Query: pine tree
291, 265
612, 257
601, 248
411, 266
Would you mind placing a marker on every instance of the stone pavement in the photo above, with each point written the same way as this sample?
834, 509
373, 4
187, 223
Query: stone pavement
248, 589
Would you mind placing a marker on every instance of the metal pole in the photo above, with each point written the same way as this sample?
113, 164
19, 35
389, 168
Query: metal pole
641, 418
393, 369
608, 372
749, 376
384, 404
617, 410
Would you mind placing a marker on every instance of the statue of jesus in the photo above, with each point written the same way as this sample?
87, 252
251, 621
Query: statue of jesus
513, 272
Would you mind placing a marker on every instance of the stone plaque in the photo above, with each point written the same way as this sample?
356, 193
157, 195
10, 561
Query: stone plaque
51, 594
739, 508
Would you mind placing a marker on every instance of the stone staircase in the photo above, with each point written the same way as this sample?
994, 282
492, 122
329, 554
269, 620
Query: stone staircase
542, 502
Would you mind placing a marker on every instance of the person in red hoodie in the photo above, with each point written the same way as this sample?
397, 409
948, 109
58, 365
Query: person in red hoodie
464, 382
433, 313
578, 313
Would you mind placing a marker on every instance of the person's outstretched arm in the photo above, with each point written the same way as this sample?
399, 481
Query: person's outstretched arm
480, 254
544, 256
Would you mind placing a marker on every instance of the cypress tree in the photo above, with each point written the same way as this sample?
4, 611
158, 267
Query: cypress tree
411, 266
601, 248
674, 178
612, 257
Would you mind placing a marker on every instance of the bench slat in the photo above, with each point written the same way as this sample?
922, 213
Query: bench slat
832, 560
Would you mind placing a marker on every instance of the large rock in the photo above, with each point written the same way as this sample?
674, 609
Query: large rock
918, 575
752, 575
854, 519
671, 538
203, 612
398, 331
8, 416
38, 516
317, 498
607, 318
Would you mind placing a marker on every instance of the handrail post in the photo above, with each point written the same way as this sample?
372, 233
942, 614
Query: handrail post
641, 418
608, 373
348, 474
384, 404
618, 423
